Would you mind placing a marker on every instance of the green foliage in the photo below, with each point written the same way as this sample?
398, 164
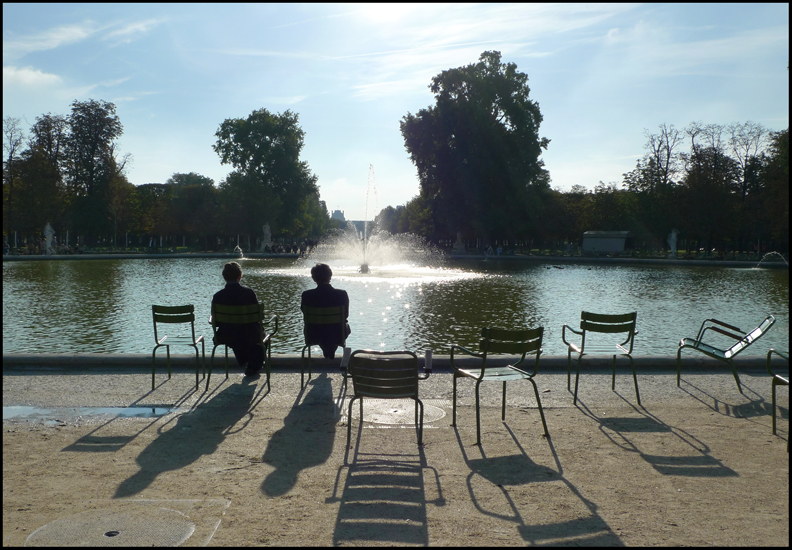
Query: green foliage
269, 182
477, 152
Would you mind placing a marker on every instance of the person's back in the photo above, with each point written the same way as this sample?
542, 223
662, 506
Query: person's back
328, 337
243, 339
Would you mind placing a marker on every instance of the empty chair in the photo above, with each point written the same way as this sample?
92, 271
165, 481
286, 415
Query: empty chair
176, 315
500, 341
744, 339
778, 380
385, 375
237, 315
621, 332
322, 322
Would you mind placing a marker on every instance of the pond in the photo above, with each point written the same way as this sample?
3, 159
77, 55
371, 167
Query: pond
104, 306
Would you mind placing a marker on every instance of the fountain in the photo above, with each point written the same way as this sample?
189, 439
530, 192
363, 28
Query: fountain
374, 248
771, 254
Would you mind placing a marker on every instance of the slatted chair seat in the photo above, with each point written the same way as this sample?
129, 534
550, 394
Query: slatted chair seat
612, 325
710, 326
494, 341
176, 315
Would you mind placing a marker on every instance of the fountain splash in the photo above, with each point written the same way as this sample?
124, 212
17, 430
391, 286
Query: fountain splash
771, 254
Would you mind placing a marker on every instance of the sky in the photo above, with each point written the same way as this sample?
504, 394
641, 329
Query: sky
602, 75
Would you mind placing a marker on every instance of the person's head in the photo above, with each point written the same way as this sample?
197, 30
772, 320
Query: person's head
232, 272
321, 274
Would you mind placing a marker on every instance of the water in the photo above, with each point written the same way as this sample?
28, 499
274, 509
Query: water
52, 415
104, 306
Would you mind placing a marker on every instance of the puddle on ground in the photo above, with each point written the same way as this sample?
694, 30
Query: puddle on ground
51, 416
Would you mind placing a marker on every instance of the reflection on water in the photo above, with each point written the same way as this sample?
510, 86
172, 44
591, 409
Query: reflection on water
104, 306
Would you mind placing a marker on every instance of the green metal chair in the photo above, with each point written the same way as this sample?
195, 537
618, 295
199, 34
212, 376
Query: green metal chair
500, 341
237, 315
323, 316
599, 323
778, 380
726, 355
173, 315
385, 375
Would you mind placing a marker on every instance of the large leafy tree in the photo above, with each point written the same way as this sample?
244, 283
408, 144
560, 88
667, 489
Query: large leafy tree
269, 183
477, 150
93, 165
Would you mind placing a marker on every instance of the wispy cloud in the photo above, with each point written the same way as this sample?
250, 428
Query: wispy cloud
28, 76
132, 31
17, 47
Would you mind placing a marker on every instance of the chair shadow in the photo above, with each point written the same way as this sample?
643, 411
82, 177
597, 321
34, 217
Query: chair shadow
306, 439
700, 464
519, 469
384, 498
205, 428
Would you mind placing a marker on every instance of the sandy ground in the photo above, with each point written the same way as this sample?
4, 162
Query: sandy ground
243, 465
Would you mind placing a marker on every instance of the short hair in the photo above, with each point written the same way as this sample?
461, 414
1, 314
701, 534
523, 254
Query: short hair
321, 273
232, 271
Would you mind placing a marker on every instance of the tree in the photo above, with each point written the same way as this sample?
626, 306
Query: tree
92, 163
477, 150
13, 136
269, 182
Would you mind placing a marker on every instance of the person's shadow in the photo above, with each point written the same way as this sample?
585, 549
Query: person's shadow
306, 439
195, 434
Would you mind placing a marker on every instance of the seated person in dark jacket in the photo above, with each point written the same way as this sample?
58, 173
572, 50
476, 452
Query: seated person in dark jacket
328, 337
245, 339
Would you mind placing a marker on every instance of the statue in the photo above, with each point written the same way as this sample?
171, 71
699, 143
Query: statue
672, 243
48, 234
266, 240
459, 245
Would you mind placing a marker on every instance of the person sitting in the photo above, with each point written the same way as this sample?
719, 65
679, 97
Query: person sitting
326, 337
243, 339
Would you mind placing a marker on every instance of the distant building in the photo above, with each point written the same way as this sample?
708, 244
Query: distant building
607, 242
338, 215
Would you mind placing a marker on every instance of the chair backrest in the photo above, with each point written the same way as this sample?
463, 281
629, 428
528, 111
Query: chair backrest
512, 342
609, 324
173, 315
326, 316
384, 374
237, 315
750, 338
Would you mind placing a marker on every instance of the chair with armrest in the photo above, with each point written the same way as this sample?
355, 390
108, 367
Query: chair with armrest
592, 324
176, 315
325, 319
237, 315
496, 341
778, 380
385, 375
744, 339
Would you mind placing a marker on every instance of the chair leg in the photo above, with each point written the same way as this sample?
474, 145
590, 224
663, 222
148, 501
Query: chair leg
679, 362
539, 403
211, 366
419, 424
635, 380
774, 404
736, 376
569, 367
453, 400
503, 405
478, 415
349, 422
577, 378
226, 361
167, 351
153, 367
197, 367
613, 375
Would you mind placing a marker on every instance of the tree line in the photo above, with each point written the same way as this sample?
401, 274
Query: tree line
477, 151
67, 172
